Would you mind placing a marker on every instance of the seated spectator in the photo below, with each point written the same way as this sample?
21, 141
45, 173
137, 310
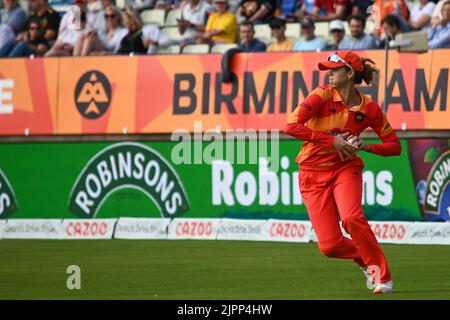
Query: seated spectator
193, 20
360, 7
221, 26
66, 40
248, 41
436, 17
290, 10
328, 10
105, 41
420, 16
393, 7
95, 16
281, 43
309, 41
337, 32
31, 42
49, 19
256, 11
358, 39
13, 20
391, 28
439, 35
140, 40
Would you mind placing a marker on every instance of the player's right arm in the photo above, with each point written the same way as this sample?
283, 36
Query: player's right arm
303, 113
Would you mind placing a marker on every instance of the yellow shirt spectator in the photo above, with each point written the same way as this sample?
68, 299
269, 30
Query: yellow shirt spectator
286, 45
226, 22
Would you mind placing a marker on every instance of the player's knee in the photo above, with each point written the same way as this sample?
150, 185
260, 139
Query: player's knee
329, 250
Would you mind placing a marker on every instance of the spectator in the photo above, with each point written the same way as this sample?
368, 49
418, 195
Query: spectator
66, 40
192, 21
290, 10
360, 7
47, 17
256, 11
31, 42
96, 14
337, 32
439, 35
105, 41
392, 6
67, 19
436, 17
221, 26
13, 20
391, 28
309, 41
282, 43
328, 10
133, 41
420, 16
248, 41
358, 39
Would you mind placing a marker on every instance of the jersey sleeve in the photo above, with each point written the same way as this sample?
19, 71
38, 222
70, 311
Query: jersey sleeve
305, 111
390, 145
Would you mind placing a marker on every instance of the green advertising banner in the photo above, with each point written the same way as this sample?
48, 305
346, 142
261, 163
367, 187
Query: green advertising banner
250, 179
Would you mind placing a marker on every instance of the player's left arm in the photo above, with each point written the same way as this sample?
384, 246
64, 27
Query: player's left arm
390, 145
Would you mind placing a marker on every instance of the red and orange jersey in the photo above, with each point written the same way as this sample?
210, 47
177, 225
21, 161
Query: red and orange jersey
323, 114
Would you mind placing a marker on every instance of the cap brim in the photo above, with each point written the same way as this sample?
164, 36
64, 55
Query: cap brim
330, 65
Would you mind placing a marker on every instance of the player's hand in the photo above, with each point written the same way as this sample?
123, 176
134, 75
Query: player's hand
361, 144
344, 148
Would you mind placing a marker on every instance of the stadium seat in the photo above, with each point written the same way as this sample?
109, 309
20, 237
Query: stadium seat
172, 33
262, 31
25, 4
346, 28
172, 17
292, 30
196, 48
173, 49
222, 48
155, 17
322, 29
121, 4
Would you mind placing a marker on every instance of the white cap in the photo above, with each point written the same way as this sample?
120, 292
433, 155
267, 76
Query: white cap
336, 24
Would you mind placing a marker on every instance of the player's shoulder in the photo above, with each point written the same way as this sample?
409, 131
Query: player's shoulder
325, 92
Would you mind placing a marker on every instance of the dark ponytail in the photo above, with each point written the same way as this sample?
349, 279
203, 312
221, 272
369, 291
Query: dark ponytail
368, 74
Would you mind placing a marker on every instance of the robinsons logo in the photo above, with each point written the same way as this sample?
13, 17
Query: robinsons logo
128, 165
8, 204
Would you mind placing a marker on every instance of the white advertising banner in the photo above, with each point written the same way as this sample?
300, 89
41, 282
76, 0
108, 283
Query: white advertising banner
2, 228
391, 231
429, 233
141, 228
288, 230
242, 229
33, 229
192, 228
88, 228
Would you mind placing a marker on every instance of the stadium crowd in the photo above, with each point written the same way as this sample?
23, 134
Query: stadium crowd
106, 27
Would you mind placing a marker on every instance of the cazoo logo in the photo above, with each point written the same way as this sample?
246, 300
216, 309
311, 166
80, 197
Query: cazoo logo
128, 165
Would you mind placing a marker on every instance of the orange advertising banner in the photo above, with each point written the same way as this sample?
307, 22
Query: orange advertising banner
160, 94
28, 96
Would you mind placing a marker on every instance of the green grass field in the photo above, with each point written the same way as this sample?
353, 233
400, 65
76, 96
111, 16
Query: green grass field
209, 270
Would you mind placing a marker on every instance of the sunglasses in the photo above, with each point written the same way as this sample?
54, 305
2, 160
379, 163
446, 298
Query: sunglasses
335, 58
110, 16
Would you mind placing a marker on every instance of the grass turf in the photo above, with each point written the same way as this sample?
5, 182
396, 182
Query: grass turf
165, 269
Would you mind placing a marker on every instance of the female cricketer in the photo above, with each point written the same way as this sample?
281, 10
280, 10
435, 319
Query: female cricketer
330, 120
